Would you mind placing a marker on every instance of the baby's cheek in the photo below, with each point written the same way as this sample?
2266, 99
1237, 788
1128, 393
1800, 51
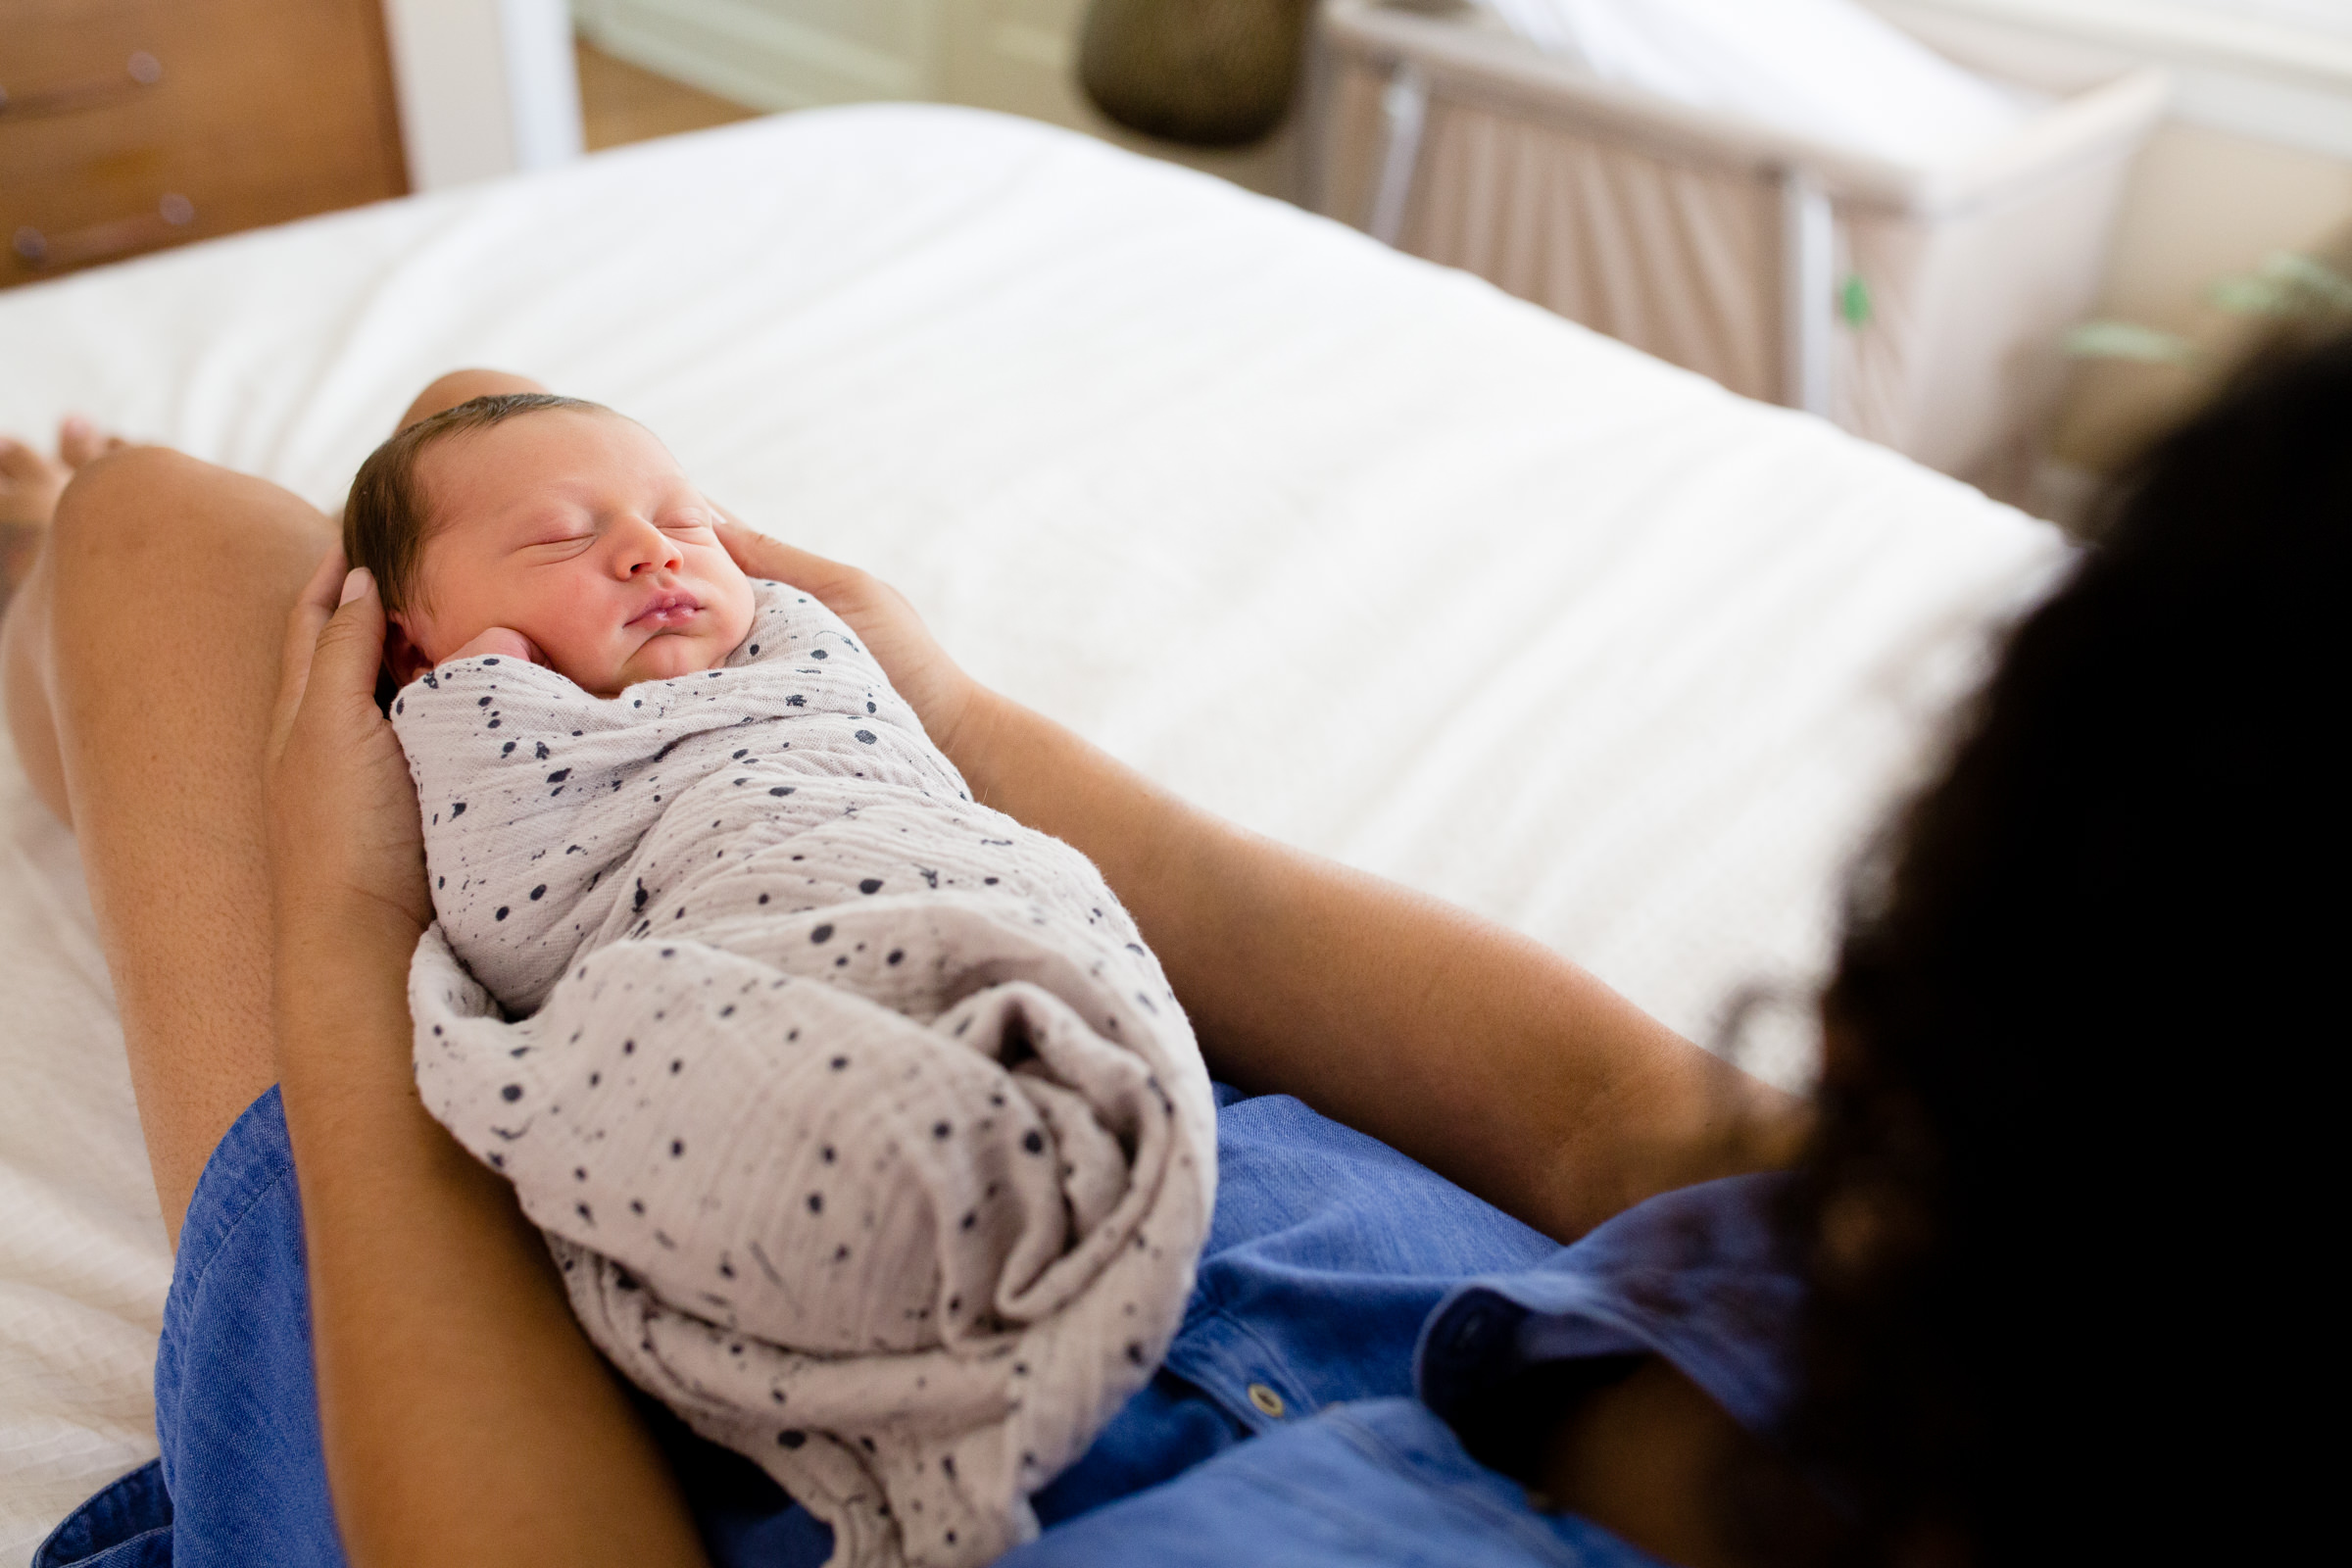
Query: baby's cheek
577, 645
740, 611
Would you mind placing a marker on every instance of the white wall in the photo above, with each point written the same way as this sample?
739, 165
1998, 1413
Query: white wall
486, 87
2203, 204
2255, 158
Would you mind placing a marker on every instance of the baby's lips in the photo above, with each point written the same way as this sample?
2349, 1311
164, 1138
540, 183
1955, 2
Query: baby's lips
666, 611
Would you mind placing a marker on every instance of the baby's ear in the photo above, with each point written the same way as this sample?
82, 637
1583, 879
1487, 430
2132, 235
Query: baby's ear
402, 658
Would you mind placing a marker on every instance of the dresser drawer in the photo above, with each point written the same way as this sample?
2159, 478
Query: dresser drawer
130, 127
61, 56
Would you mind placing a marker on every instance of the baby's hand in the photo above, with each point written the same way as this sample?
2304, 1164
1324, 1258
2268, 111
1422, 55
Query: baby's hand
501, 642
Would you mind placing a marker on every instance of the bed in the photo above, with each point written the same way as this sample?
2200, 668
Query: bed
1357, 551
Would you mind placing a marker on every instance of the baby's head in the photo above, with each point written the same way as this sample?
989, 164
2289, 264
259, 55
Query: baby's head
554, 518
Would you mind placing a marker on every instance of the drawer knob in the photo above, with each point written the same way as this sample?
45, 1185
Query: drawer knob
143, 69
102, 242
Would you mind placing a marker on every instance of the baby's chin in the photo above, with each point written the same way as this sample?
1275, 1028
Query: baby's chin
661, 659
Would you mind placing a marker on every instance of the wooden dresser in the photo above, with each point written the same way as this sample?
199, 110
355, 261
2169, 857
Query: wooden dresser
126, 126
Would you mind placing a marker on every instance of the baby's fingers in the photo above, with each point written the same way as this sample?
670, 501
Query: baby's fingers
501, 642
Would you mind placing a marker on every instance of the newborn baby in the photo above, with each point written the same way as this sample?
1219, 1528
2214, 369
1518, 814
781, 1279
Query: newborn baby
869, 1135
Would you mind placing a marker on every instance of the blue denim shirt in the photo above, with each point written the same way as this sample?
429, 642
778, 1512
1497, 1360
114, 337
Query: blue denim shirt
1340, 1280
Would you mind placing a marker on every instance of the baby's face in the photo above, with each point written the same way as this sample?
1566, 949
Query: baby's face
578, 530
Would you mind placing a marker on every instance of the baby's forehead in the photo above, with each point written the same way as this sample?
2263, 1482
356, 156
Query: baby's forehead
513, 455
499, 442
485, 488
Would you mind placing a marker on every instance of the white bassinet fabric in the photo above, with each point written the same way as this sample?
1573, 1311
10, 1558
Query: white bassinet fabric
869, 1134
1358, 552
1831, 70
1667, 232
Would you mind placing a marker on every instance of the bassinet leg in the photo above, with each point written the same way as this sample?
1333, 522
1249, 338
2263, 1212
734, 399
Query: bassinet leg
1809, 242
1402, 107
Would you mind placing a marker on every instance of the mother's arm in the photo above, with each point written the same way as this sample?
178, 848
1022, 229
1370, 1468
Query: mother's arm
465, 1417
1477, 1052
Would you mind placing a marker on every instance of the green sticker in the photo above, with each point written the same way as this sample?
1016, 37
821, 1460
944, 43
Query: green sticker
1853, 301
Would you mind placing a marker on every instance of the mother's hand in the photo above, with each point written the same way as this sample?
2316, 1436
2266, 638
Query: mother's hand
942, 695
464, 1415
346, 852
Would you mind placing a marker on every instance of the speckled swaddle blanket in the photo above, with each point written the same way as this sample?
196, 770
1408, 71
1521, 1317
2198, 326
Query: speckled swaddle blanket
869, 1135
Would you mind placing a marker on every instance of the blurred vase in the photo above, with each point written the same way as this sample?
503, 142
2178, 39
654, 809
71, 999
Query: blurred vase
1204, 73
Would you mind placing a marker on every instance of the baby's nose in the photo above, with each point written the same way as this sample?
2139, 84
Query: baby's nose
648, 549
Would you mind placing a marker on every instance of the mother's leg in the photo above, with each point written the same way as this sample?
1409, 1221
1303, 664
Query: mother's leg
463, 386
139, 661
139, 664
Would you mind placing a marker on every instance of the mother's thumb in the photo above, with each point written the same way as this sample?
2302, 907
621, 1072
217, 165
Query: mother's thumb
350, 646
331, 656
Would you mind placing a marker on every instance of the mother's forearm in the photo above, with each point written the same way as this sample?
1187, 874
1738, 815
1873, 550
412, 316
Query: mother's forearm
1465, 1045
464, 1416
1472, 1049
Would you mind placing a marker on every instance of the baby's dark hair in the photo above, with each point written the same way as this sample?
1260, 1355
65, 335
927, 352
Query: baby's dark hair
385, 524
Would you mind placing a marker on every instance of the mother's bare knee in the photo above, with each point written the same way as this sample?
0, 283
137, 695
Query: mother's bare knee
122, 501
145, 529
463, 386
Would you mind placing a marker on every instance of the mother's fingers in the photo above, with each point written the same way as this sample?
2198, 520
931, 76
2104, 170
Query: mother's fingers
352, 646
312, 607
894, 633
343, 833
335, 649
763, 556
876, 609
349, 653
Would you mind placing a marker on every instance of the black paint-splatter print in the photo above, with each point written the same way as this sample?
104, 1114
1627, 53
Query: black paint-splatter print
819, 816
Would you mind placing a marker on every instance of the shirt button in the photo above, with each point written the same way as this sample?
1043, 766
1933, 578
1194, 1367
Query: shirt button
1266, 1399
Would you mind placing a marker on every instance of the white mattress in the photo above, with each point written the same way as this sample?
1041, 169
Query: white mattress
1358, 552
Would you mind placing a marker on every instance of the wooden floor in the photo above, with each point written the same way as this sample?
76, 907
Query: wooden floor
623, 103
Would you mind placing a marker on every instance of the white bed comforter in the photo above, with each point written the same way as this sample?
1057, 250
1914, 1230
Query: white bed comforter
1360, 553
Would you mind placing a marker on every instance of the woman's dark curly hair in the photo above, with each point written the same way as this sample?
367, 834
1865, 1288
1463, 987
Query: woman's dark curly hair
2057, 1204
